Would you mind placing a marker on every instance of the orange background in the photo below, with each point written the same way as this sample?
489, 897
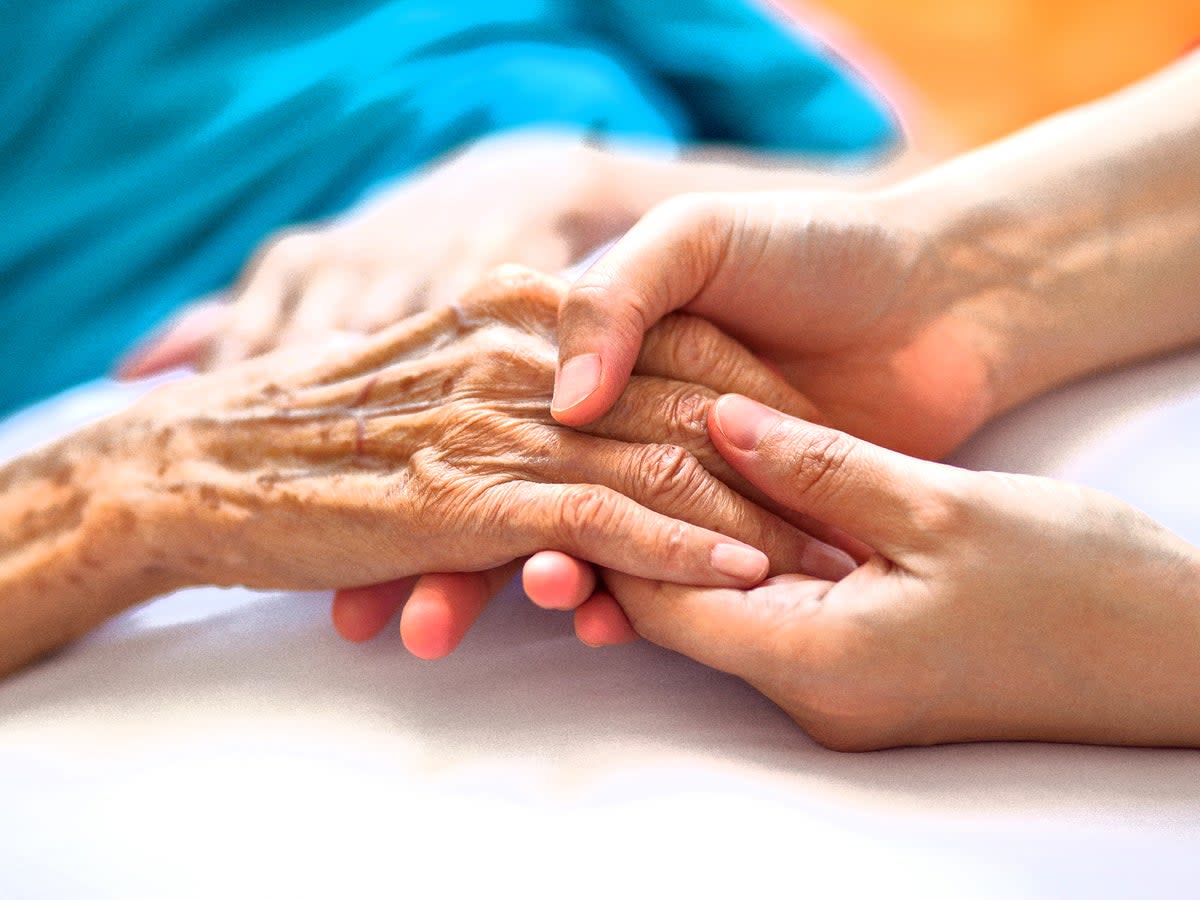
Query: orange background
982, 68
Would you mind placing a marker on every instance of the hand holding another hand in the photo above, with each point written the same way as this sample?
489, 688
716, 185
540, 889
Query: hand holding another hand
857, 301
684, 365
995, 607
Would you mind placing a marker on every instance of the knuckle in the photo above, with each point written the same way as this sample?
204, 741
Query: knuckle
584, 510
818, 460
688, 414
669, 471
943, 511
696, 342
699, 226
427, 486
672, 547
587, 298
240, 342
594, 306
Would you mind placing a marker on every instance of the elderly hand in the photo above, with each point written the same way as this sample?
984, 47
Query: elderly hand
430, 448
530, 198
684, 365
995, 607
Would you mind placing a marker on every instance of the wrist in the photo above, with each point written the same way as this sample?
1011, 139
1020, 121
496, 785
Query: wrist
73, 547
995, 264
123, 523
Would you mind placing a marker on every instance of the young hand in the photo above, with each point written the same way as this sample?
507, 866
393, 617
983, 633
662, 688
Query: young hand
847, 295
995, 607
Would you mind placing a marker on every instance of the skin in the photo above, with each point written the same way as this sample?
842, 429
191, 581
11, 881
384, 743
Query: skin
404, 250
929, 307
923, 309
909, 315
371, 267
992, 606
942, 635
427, 447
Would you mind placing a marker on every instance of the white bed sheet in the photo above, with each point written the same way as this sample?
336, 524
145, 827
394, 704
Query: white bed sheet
224, 743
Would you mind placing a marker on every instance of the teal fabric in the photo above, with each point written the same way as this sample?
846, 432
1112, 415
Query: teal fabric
149, 145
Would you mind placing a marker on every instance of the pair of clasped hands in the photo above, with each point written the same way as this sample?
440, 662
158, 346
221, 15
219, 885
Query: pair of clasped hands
956, 605
939, 604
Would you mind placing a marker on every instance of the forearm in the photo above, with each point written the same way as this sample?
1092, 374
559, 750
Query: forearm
1075, 244
73, 551
630, 181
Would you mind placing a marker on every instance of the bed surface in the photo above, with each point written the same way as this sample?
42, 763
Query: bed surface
225, 743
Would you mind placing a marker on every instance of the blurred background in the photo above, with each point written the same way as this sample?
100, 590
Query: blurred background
156, 154
983, 68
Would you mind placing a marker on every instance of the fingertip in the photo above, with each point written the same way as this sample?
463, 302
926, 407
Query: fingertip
555, 580
575, 382
440, 612
600, 622
346, 621
180, 342
425, 630
133, 366
742, 423
746, 565
362, 613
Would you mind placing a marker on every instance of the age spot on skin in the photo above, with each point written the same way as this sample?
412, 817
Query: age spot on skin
126, 521
268, 480
62, 474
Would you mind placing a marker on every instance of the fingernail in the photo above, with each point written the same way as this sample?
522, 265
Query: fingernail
576, 380
827, 563
742, 421
742, 563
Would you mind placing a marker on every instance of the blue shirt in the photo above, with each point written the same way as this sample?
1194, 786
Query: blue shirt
149, 145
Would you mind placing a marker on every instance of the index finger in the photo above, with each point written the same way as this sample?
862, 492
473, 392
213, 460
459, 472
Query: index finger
661, 265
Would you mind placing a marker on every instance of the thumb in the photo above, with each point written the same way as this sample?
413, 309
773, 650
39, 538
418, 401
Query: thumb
881, 497
660, 266
179, 343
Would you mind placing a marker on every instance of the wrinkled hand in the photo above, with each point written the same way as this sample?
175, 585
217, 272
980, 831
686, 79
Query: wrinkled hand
995, 607
847, 295
430, 448
530, 198
858, 301
684, 365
